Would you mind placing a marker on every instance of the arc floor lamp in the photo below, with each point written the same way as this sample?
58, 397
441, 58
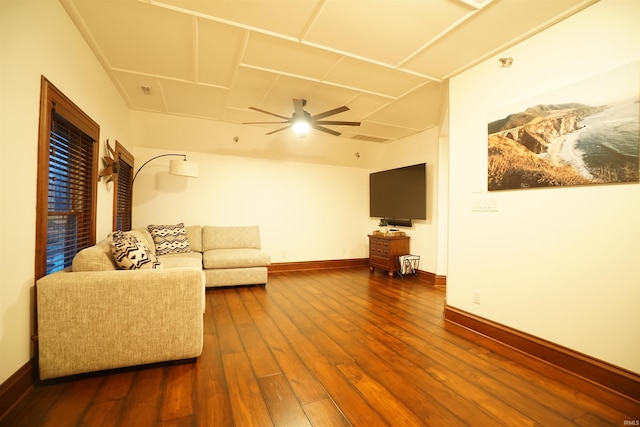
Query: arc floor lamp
176, 167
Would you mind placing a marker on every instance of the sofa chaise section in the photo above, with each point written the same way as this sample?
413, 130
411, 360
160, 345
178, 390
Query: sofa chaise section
232, 255
96, 320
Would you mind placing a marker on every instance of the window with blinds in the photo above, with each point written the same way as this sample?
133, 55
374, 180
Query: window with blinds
67, 181
70, 199
122, 197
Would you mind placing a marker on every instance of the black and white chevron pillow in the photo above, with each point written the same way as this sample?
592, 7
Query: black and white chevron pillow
131, 253
169, 239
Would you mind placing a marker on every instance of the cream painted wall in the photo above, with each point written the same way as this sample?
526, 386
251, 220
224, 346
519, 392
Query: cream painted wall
306, 212
559, 263
419, 148
32, 34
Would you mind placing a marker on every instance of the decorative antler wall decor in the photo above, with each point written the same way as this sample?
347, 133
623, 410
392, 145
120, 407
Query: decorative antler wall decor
111, 166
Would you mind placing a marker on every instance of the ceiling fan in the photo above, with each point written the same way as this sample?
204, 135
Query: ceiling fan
301, 121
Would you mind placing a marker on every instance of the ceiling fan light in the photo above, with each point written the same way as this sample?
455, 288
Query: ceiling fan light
301, 127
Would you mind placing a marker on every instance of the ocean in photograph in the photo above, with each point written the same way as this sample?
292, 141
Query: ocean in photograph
584, 133
609, 143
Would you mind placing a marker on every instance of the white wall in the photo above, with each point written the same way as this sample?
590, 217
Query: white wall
306, 212
32, 35
559, 263
419, 148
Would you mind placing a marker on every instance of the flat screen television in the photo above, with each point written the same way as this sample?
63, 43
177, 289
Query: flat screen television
399, 195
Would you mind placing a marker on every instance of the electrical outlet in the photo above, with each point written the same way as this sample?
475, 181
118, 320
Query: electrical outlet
476, 297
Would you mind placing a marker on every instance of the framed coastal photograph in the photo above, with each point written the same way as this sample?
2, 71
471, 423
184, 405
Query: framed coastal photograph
583, 134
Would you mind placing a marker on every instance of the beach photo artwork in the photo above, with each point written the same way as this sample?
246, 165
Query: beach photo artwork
584, 134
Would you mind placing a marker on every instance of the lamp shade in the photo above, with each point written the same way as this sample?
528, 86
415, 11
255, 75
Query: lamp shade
183, 168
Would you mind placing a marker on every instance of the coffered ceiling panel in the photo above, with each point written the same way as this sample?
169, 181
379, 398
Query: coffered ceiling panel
137, 37
386, 60
318, 98
373, 78
141, 92
382, 30
219, 48
412, 110
288, 57
498, 25
251, 87
187, 99
287, 18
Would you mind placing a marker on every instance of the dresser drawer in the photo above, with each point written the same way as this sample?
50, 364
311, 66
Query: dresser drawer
384, 252
378, 249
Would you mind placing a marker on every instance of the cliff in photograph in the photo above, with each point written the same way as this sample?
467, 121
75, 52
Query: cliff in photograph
524, 148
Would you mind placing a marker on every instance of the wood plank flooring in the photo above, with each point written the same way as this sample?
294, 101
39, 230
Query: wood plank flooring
325, 348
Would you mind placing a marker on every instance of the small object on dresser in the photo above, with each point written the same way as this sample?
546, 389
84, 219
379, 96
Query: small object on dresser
383, 224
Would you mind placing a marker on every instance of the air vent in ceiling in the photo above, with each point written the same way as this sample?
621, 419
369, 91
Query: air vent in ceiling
369, 138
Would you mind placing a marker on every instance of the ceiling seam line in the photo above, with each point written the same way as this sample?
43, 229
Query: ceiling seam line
312, 20
282, 73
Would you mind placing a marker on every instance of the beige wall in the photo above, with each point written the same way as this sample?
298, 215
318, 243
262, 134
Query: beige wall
419, 148
32, 33
559, 263
306, 211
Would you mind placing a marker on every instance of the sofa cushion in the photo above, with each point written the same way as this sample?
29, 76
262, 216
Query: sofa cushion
235, 258
95, 258
169, 239
215, 237
131, 253
236, 276
190, 260
194, 235
143, 234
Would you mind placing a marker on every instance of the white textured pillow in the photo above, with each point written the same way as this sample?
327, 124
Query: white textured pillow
130, 253
169, 239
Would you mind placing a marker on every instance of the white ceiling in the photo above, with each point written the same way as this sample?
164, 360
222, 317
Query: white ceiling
387, 60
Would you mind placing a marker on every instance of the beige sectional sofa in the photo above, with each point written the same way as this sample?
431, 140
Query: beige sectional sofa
97, 316
232, 256
229, 256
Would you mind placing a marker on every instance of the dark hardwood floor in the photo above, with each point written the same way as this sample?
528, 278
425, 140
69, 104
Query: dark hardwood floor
327, 348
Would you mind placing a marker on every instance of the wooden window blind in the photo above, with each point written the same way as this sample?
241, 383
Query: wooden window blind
122, 198
67, 182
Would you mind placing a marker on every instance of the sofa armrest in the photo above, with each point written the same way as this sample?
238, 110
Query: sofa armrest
90, 321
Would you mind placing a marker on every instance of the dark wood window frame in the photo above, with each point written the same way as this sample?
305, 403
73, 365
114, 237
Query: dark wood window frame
54, 105
122, 194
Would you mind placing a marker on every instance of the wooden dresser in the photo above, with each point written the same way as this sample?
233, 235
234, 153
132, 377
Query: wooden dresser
385, 250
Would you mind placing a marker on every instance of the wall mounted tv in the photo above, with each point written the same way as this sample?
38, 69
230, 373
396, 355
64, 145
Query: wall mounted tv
399, 195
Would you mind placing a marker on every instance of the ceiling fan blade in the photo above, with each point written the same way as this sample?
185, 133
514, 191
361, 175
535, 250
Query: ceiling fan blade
278, 130
330, 113
263, 123
269, 112
298, 105
337, 123
327, 130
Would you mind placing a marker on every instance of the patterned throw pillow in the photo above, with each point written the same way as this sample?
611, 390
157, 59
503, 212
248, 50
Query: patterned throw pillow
131, 253
169, 239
